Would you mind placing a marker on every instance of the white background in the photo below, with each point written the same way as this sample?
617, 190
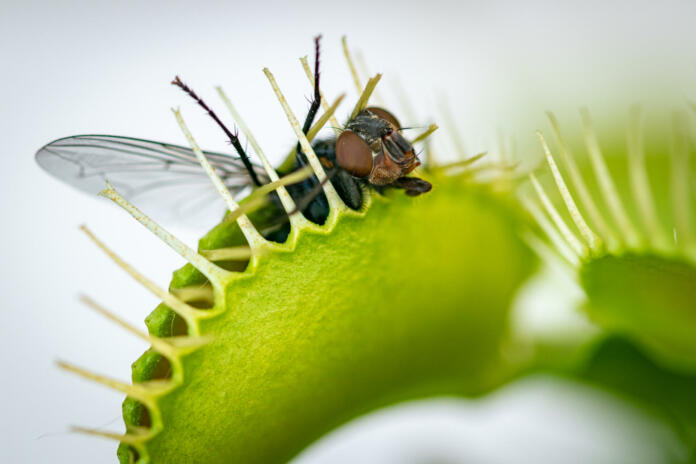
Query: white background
82, 67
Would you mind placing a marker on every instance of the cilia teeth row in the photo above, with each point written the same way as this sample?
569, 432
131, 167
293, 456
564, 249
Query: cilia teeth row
173, 348
627, 236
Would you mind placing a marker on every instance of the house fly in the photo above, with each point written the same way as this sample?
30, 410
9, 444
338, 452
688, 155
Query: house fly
370, 152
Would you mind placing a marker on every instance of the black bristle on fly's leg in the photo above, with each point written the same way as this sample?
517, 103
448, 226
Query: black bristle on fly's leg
317, 209
309, 191
234, 140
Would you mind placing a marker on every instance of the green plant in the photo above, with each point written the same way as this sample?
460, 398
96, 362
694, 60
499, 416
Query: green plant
260, 348
634, 258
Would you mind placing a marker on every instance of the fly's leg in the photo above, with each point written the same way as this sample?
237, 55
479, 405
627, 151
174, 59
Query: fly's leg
314, 107
234, 140
413, 186
348, 189
308, 194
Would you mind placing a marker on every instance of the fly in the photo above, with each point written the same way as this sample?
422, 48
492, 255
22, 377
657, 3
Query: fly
370, 152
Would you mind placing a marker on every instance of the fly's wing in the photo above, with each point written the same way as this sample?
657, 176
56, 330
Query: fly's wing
161, 179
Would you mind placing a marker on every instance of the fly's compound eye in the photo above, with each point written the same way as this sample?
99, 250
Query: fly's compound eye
353, 154
384, 114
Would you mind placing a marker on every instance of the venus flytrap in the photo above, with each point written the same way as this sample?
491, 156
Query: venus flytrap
259, 347
638, 284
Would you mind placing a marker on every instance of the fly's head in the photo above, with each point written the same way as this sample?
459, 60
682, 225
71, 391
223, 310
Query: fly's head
372, 147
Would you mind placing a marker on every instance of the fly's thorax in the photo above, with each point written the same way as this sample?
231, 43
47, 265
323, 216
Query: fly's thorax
371, 128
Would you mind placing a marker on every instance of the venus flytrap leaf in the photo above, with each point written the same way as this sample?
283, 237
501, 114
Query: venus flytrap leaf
649, 299
259, 347
406, 324
259, 342
643, 291
292, 333
618, 365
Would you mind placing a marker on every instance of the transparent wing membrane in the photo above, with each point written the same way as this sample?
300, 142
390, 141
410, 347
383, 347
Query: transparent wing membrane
166, 180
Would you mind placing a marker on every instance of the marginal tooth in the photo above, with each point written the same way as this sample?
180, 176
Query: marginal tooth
324, 103
258, 197
227, 254
514, 154
365, 95
551, 210
296, 220
462, 163
605, 231
335, 202
403, 97
360, 59
159, 344
314, 130
186, 344
566, 252
607, 184
324, 118
640, 184
214, 273
145, 392
431, 128
256, 241
502, 146
450, 123
506, 171
590, 237
202, 293
351, 65
681, 188
545, 252
462, 168
188, 313
128, 438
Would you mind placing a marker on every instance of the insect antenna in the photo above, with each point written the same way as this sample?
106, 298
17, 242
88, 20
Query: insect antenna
234, 140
